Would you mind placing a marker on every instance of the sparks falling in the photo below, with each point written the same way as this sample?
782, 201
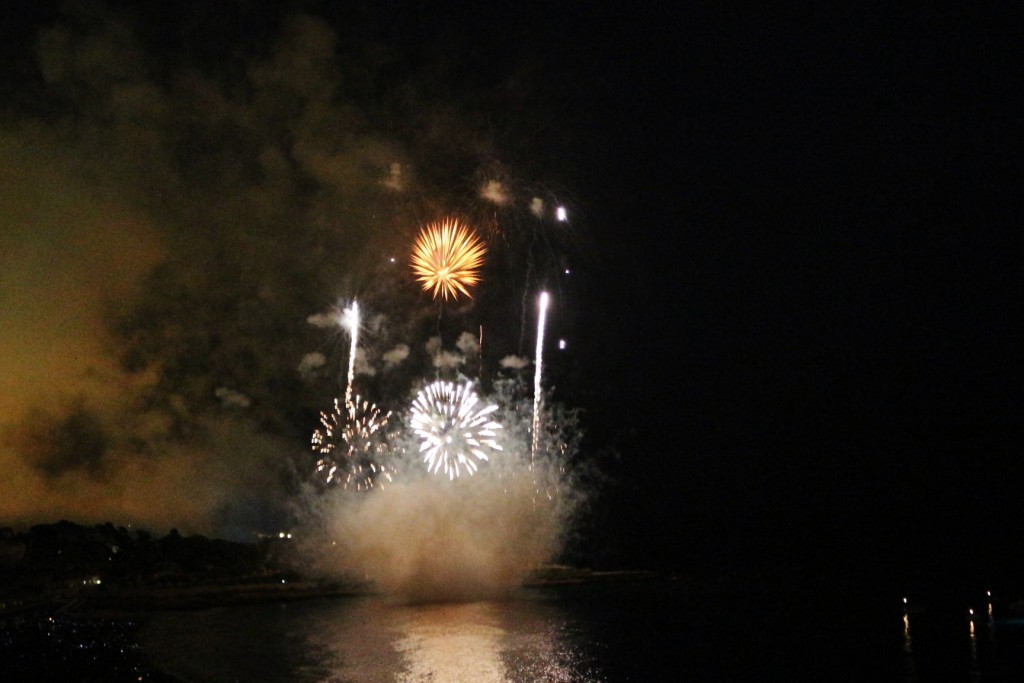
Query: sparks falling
352, 445
537, 374
446, 259
454, 426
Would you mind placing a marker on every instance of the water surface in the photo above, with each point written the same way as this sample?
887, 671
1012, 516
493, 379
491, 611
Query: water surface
632, 631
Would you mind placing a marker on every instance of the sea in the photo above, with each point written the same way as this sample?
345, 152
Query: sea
657, 629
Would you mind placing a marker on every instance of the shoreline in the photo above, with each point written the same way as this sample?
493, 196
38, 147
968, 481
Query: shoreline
93, 633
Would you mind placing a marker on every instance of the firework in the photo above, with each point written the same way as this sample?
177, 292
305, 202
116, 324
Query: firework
350, 321
538, 367
446, 259
351, 444
455, 427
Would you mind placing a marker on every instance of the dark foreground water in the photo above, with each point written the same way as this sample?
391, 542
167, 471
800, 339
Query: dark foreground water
633, 631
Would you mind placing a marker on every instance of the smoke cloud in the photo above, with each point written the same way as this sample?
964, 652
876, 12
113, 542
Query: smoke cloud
424, 537
175, 216
513, 362
396, 355
432, 539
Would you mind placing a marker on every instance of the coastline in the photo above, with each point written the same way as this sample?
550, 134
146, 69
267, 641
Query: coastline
92, 633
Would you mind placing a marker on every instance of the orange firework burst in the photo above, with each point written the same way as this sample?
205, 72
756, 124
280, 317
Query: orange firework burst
446, 259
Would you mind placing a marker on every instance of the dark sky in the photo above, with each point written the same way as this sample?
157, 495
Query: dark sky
797, 310
818, 217
808, 302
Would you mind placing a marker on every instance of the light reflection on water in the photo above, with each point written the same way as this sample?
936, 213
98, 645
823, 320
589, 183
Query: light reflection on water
371, 639
485, 642
451, 642
592, 633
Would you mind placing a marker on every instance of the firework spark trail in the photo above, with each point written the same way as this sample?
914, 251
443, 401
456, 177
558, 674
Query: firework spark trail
446, 259
322, 442
538, 369
453, 426
359, 430
350, 321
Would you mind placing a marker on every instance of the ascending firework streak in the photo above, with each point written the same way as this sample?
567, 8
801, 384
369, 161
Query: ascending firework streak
538, 368
453, 426
350, 321
352, 440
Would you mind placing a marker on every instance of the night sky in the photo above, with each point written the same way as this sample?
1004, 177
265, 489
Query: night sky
829, 300
794, 313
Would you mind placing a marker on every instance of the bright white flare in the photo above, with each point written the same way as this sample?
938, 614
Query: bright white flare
350, 321
454, 427
538, 371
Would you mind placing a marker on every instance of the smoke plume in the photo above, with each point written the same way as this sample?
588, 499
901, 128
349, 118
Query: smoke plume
424, 537
174, 207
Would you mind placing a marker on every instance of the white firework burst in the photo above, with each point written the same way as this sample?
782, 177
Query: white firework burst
351, 444
454, 426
